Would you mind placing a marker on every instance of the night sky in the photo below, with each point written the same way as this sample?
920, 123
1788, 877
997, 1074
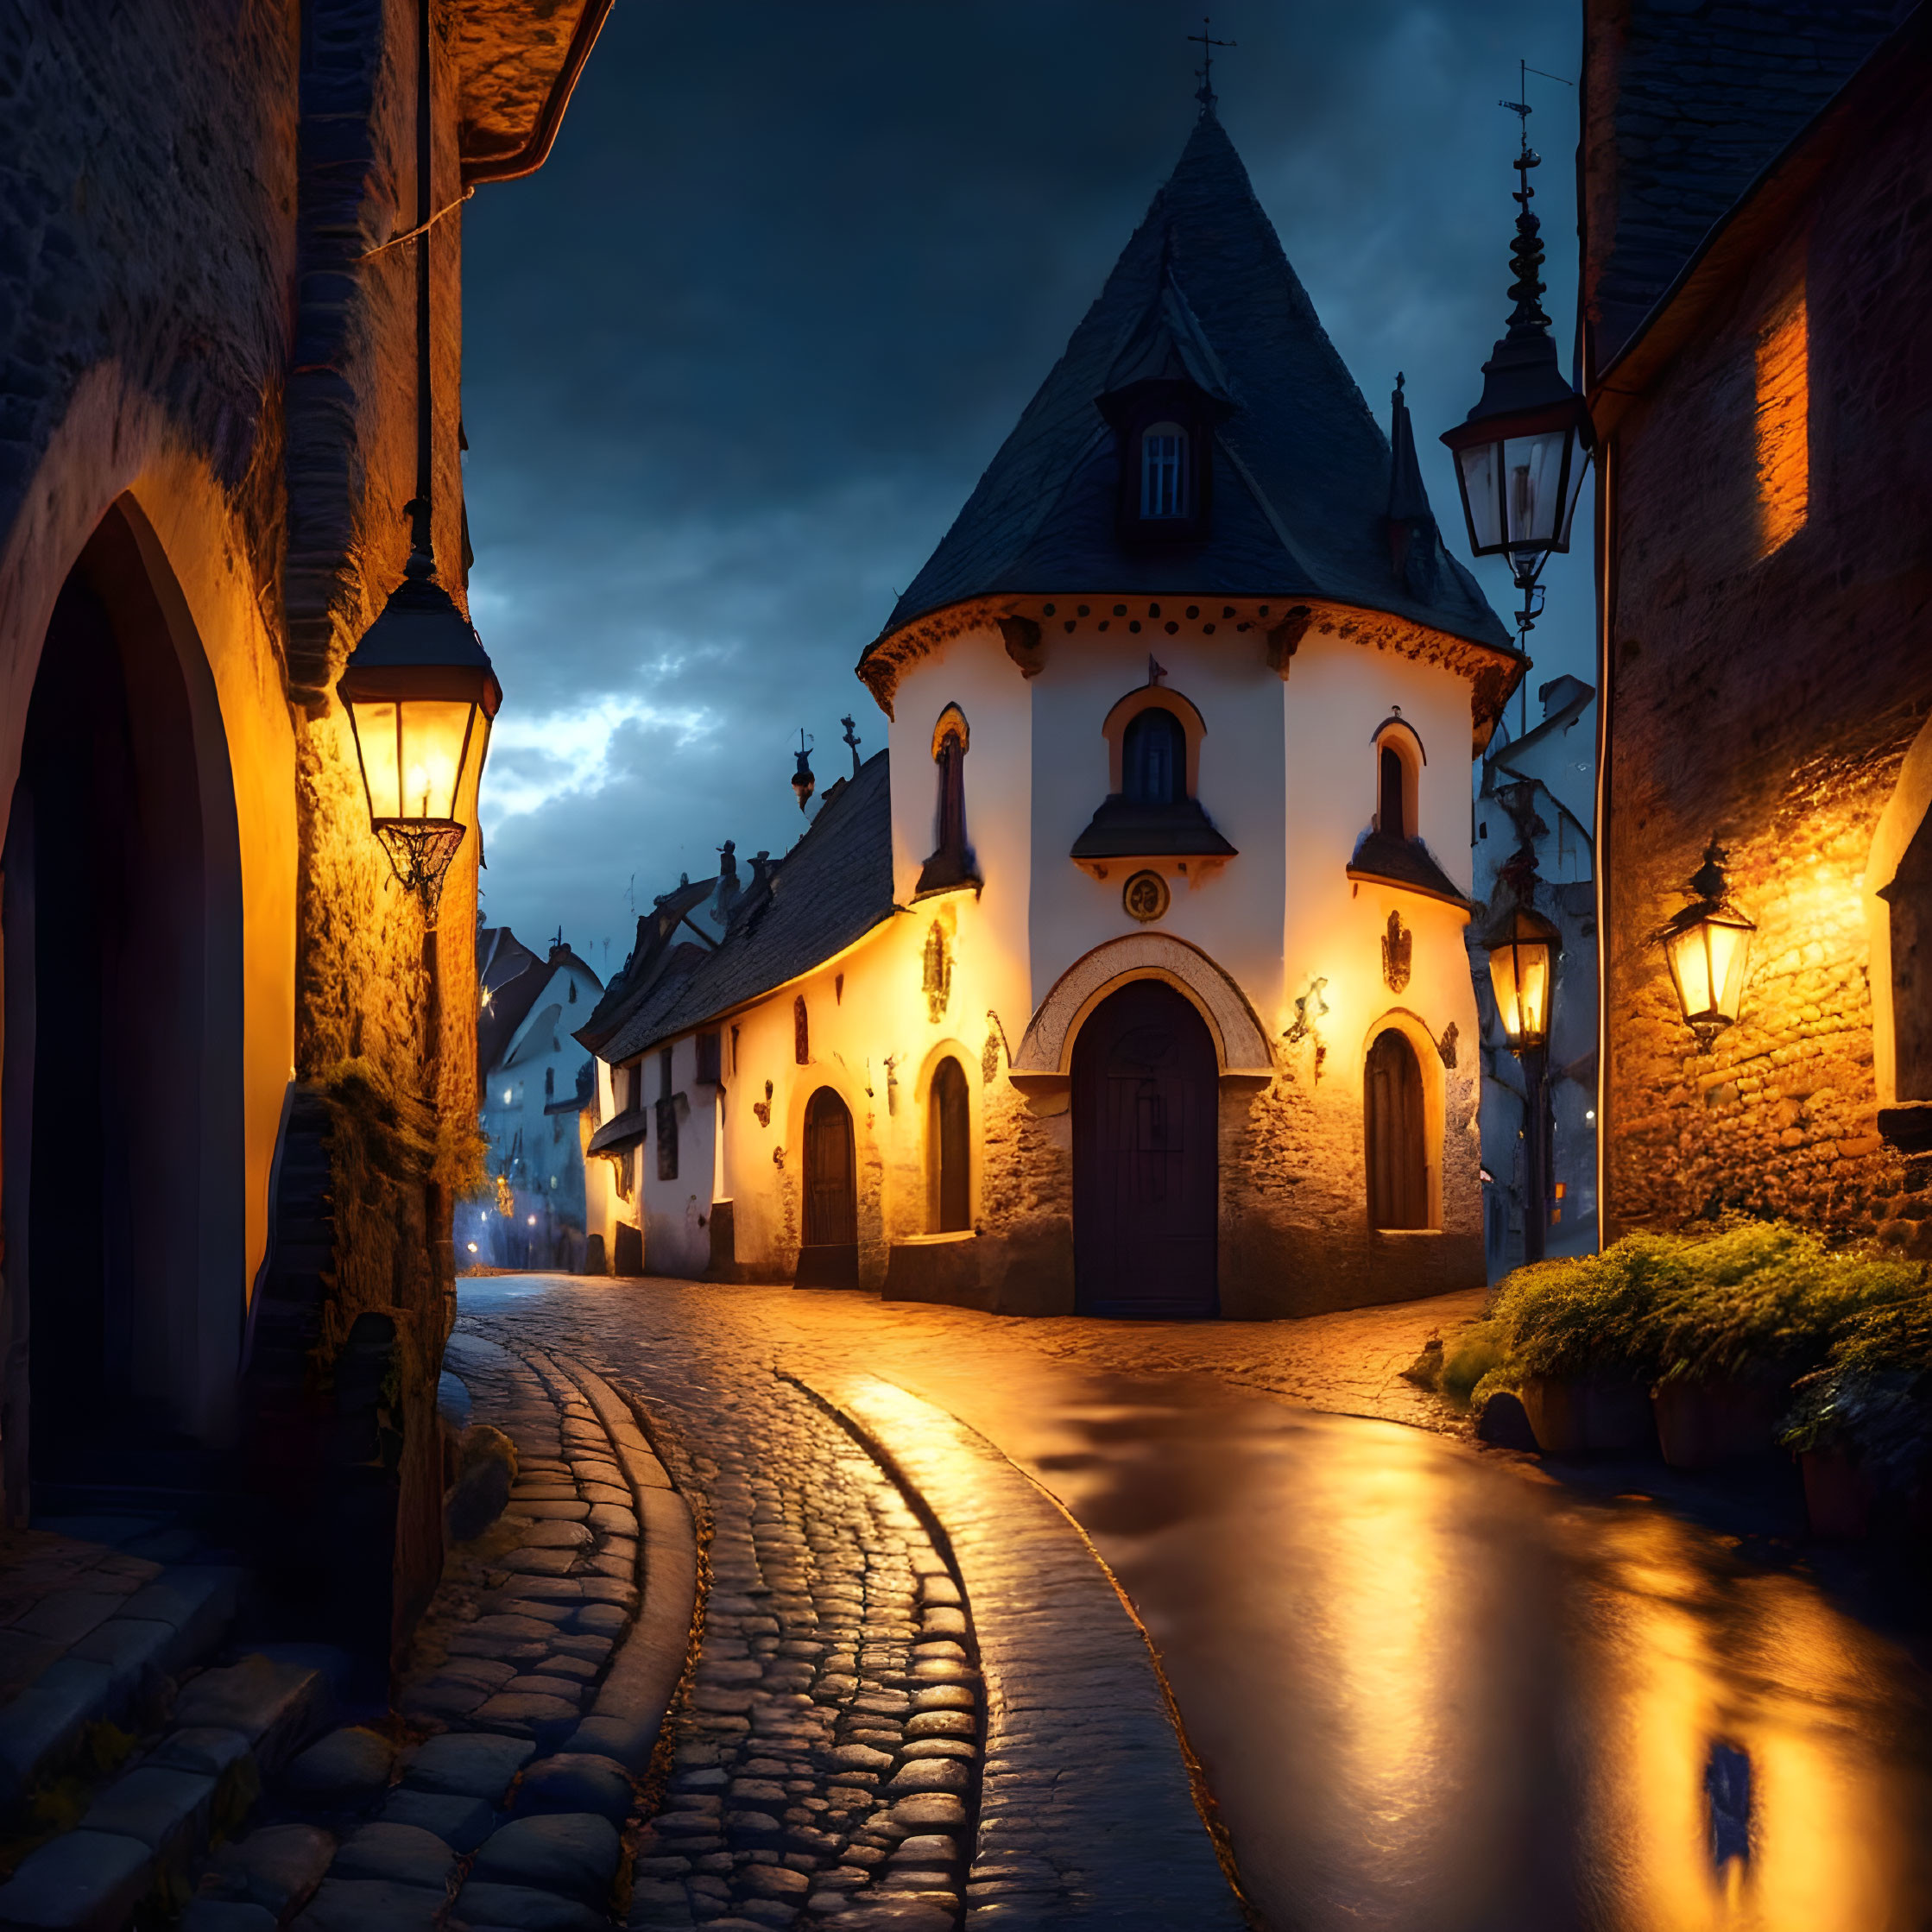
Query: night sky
735, 357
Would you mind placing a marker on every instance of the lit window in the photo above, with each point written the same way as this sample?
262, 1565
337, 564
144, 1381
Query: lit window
1163, 472
506, 1096
1784, 427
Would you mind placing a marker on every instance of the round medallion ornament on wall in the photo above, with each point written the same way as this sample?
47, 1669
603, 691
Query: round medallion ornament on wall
1145, 896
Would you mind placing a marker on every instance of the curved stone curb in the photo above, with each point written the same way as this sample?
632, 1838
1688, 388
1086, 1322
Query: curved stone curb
630, 1706
1087, 1813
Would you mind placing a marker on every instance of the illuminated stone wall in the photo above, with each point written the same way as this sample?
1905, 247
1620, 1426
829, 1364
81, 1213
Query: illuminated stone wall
1770, 662
191, 328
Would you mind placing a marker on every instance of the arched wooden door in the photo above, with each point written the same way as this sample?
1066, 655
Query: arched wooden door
1145, 1164
1397, 1160
829, 1255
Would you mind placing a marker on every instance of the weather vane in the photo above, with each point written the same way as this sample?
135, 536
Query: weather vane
1205, 92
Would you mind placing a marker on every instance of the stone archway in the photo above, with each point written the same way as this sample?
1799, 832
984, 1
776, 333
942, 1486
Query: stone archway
123, 1137
1044, 1055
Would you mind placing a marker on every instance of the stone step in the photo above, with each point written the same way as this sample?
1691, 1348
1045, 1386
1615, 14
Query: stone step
233, 1725
161, 1629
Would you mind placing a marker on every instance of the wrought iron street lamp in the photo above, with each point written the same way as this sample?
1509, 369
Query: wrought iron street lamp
420, 693
1521, 452
1707, 947
1522, 968
1522, 947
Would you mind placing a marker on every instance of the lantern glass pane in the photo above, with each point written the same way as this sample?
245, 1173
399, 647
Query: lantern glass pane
1519, 972
1688, 957
433, 731
1729, 952
1477, 473
1533, 489
376, 738
1579, 462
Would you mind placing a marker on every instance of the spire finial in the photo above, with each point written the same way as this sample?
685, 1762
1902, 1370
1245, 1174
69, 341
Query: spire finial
1525, 255
1205, 92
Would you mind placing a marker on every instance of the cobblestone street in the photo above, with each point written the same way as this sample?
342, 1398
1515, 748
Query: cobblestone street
1145, 1625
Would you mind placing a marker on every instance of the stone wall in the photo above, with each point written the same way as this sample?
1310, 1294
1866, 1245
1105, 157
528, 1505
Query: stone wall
190, 317
1765, 696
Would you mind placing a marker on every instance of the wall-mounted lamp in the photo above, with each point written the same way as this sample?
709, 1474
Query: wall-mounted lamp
1708, 949
420, 694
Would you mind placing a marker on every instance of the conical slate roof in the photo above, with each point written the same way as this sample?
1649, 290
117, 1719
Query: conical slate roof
1301, 470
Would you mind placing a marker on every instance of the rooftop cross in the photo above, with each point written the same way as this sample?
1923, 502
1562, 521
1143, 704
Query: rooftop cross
1205, 92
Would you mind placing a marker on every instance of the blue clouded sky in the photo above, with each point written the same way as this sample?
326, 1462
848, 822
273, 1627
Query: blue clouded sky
736, 357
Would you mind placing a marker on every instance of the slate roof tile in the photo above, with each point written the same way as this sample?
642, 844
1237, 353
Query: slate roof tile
833, 887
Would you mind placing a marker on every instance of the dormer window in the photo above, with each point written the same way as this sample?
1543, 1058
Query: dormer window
1164, 471
1164, 432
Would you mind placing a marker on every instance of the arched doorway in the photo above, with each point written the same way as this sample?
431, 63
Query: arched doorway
829, 1257
1398, 1159
948, 1144
1145, 1162
123, 1150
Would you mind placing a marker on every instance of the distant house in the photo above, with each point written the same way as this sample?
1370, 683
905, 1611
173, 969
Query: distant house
1537, 791
534, 1081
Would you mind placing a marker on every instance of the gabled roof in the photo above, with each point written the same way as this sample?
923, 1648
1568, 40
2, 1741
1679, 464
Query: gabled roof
832, 888
1301, 470
510, 1007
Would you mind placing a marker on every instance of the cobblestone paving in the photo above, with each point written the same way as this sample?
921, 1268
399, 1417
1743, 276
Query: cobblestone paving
810, 1660
826, 1764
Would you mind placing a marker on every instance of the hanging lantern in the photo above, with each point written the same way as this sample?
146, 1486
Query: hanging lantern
1523, 950
420, 693
1707, 947
1521, 453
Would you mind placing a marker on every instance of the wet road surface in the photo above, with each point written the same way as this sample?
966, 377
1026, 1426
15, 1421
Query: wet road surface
1427, 1690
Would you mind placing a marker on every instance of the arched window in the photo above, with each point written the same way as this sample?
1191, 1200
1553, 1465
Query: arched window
1164, 471
949, 1155
1398, 1159
1399, 762
952, 863
801, 1033
1153, 759
1391, 813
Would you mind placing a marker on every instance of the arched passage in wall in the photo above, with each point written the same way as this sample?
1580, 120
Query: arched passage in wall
123, 1178
1240, 1044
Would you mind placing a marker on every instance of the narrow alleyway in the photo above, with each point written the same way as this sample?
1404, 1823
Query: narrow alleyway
1425, 1688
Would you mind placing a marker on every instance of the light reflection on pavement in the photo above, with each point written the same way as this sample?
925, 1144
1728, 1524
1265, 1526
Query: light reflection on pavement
1428, 1691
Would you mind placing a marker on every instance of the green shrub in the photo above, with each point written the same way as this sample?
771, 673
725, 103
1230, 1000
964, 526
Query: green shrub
1872, 1398
1467, 1357
1745, 1297
1769, 1298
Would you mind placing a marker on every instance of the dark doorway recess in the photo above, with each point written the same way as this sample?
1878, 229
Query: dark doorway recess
123, 1135
1145, 1164
949, 1132
829, 1255
1398, 1165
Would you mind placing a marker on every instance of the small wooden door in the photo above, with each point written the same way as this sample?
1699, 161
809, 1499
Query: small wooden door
1397, 1161
829, 1255
1145, 1164
948, 1143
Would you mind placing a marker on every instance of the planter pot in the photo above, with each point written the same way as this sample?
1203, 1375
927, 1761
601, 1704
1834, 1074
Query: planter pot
1839, 1496
1700, 1423
1580, 1417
